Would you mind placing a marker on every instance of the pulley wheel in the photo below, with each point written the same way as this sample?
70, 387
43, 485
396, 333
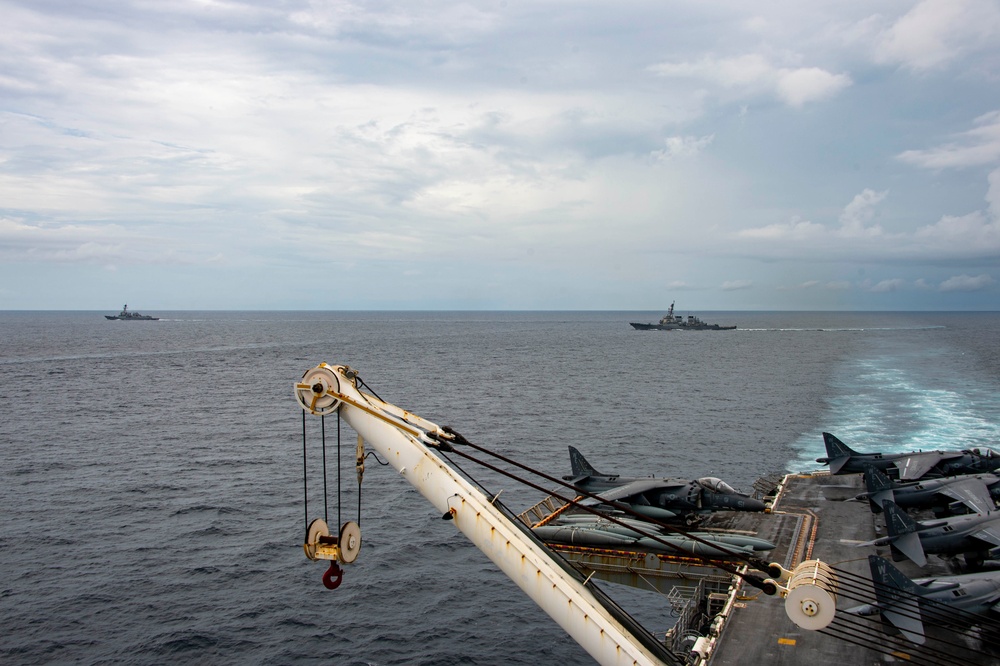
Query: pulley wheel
350, 542
312, 392
317, 528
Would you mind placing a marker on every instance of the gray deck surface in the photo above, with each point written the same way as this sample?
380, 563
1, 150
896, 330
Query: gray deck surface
759, 631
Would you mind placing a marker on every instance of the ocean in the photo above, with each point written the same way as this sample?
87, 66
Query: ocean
152, 496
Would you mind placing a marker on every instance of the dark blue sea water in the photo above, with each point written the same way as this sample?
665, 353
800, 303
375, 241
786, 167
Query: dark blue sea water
151, 491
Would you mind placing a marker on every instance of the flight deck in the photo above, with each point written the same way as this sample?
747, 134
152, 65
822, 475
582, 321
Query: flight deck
728, 622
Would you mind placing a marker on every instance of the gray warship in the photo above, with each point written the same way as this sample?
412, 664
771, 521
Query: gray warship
125, 315
672, 322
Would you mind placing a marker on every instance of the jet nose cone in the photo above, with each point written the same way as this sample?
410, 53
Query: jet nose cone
735, 502
751, 504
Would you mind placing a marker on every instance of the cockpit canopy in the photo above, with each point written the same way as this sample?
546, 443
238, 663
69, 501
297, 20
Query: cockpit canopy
985, 452
716, 485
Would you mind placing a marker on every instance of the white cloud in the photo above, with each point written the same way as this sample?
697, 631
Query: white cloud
754, 74
799, 230
993, 194
976, 147
938, 32
833, 285
811, 285
972, 230
859, 213
743, 70
809, 84
527, 142
60, 242
853, 224
979, 230
885, 286
976, 235
683, 146
967, 283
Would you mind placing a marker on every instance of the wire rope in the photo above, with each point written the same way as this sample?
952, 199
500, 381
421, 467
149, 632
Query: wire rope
855, 629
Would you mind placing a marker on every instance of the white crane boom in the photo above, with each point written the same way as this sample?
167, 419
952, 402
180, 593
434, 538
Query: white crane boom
402, 438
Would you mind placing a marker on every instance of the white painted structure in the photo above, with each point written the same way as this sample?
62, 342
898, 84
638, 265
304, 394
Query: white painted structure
402, 438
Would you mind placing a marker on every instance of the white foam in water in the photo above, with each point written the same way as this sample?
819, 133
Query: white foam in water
906, 402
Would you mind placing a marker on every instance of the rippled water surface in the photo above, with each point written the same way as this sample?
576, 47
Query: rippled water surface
152, 495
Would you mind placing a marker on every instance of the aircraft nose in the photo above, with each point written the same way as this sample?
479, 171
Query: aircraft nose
750, 504
735, 502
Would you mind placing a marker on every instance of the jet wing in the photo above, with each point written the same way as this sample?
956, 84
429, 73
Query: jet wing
914, 466
990, 534
630, 488
971, 492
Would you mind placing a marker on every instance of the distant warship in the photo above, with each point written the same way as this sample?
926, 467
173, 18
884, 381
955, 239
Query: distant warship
672, 322
125, 315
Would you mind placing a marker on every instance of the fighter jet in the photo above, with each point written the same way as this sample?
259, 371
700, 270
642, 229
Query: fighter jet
973, 535
663, 499
909, 466
948, 495
899, 599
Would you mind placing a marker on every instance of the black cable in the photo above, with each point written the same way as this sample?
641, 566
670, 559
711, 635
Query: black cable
340, 499
359, 466
360, 384
852, 583
755, 562
861, 582
942, 649
932, 652
716, 563
927, 611
933, 609
633, 626
943, 617
375, 456
884, 645
305, 488
935, 649
326, 505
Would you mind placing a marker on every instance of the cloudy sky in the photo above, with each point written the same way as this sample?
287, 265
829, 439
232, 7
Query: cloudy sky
506, 154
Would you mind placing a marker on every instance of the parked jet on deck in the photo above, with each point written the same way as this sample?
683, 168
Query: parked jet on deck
945, 600
973, 535
909, 466
948, 495
663, 499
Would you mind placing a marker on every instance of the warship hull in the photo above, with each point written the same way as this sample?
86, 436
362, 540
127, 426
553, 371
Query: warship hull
125, 315
680, 327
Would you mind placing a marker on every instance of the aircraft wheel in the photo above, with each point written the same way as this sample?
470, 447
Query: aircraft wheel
974, 561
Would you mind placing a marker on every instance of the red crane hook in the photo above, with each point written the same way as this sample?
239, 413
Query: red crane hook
329, 582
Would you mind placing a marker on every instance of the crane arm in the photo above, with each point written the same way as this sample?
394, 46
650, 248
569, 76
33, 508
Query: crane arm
406, 440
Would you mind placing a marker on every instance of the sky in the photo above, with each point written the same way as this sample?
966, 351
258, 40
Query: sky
499, 155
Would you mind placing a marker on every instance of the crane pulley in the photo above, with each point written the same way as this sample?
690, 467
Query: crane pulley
320, 543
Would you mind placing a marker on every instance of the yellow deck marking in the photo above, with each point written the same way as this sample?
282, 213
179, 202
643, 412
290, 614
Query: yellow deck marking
786, 641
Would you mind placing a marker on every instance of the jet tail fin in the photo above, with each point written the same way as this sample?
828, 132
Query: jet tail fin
879, 488
897, 522
903, 530
581, 468
898, 598
837, 453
